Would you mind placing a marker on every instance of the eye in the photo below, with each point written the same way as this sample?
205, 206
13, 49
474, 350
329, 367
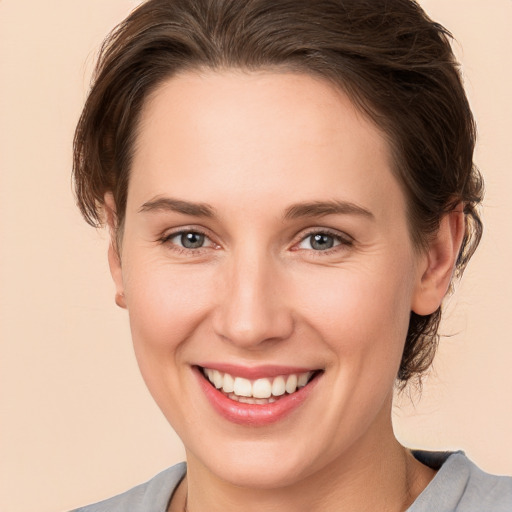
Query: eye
322, 241
188, 240
191, 240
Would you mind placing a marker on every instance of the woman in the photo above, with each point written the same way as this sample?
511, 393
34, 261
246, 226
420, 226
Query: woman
290, 190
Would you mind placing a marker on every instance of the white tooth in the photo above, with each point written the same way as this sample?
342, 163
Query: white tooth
291, 383
271, 400
278, 386
228, 383
209, 374
242, 387
303, 379
217, 379
261, 388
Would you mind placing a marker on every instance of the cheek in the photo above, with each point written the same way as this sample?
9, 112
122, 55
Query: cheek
165, 304
362, 318
360, 314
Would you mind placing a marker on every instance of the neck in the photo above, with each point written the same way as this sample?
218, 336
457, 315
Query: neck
376, 474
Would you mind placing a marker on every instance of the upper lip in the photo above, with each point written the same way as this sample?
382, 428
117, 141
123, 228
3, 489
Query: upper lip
256, 372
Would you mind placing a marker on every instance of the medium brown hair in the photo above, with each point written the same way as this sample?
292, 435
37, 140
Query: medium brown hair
394, 62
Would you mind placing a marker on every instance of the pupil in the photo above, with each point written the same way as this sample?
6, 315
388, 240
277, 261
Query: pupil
192, 240
321, 242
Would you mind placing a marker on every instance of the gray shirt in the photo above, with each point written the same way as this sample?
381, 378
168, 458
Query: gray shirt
459, 486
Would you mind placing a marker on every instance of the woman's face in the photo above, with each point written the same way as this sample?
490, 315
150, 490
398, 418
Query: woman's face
266, 238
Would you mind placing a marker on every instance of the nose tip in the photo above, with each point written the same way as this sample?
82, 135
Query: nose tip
253, 311
253, 332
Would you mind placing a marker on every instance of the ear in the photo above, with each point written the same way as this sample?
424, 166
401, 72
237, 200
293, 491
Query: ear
439, 263
114, 259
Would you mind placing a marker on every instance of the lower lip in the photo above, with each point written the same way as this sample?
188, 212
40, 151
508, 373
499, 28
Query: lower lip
253, 414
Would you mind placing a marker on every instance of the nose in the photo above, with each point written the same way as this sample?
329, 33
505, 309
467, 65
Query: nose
252, 310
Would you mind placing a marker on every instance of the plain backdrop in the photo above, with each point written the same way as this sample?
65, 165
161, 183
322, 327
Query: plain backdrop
76, 422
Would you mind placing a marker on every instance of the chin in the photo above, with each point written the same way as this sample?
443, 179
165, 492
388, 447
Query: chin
260, 475
261, 464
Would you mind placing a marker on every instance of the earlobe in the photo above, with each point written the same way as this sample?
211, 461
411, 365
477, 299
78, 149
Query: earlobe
436, 273
117, 274
114, 259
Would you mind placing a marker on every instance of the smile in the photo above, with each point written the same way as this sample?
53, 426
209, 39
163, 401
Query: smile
259, 391
270, 395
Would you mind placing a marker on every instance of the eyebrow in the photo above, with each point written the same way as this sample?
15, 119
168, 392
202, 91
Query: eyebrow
322, 208
295, 211
177, 205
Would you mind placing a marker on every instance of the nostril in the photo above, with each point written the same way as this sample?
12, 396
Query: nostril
253, 331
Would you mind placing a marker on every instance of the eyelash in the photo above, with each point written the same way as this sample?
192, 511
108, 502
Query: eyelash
344, 241
165, 240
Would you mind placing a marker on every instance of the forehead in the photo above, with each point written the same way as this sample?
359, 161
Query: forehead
258, 134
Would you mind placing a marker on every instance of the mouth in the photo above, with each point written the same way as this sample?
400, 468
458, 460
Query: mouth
262, 391
272, 393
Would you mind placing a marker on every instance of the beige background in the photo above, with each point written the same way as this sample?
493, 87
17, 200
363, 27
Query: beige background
76, 423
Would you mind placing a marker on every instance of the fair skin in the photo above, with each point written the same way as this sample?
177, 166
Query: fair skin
219, 265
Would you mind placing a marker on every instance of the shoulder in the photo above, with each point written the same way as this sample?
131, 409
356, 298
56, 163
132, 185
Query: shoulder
152, 496
460, 486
